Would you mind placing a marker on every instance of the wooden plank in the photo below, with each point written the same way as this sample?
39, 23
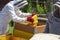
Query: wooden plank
29, 29
18, 38
40, 29
25, 28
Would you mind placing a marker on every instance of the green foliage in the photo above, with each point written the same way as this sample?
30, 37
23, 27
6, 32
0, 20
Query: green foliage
38, 8
24, 9
11, 23
29, 6
45, 8
51, 4
41, 10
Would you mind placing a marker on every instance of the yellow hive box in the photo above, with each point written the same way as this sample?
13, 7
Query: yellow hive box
19, 33
4, 37
27, 31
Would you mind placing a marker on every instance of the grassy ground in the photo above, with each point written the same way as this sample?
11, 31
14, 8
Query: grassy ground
11, 29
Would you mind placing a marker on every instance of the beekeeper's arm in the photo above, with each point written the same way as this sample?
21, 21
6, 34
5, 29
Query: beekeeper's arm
24, 14
20, 13
14, 16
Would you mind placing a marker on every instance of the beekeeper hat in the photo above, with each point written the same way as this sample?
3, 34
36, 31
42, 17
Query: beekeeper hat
20, 3
57, 4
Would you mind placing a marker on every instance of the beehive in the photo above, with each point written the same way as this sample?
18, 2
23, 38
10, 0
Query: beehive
27, 30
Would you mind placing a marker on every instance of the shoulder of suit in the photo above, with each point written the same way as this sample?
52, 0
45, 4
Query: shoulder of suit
10, 4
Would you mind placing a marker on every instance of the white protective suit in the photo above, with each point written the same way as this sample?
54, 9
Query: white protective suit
7, 14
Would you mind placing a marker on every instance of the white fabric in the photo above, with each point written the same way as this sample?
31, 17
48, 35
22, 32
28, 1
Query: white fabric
16, 1
57, 4
42, 36
7, 14
21, 4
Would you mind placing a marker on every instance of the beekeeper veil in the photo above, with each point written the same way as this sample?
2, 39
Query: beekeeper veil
57, 5
20, 3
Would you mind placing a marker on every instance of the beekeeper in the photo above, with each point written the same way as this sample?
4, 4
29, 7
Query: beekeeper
53, 23
10, 11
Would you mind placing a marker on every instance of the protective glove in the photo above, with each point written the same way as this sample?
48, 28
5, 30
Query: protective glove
30, 19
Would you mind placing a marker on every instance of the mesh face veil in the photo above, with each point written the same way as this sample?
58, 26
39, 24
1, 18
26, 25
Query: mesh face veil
57, 5
20, 3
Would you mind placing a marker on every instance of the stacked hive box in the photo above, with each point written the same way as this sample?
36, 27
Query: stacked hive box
27, 30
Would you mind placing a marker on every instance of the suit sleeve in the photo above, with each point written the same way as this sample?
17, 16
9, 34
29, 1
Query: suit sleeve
20, 13
14, 16
24, 14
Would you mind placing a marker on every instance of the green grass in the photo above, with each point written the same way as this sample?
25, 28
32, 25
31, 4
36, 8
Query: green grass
10, 29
